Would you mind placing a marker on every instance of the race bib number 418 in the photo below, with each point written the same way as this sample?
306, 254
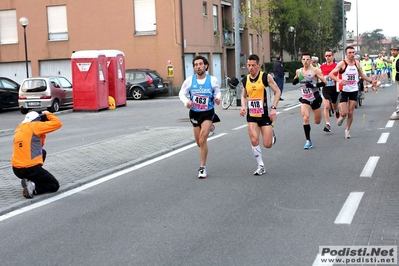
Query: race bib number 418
255, 106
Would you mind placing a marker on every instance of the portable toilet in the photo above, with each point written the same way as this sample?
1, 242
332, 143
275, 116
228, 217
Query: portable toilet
116, 75
89, 80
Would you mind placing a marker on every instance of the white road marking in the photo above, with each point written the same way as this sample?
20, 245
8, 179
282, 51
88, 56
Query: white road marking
99, 181
237, 128
390, 122
292, 107
318, 262
370, 166
383, 138
349, 209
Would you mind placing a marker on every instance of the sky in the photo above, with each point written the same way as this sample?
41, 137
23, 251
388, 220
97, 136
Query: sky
372, 15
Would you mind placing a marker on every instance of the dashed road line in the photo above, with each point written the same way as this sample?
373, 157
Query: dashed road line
349, 209
370, 166
383, 138
390, 122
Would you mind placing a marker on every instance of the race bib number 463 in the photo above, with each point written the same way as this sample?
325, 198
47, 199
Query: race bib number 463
255, 106
200, 102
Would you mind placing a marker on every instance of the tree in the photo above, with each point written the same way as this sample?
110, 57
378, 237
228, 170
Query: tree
257, 17
317, 23
372, 42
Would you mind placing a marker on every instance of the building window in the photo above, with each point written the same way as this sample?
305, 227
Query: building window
144, 17
57, 23
215, 20
8, 27
204, 9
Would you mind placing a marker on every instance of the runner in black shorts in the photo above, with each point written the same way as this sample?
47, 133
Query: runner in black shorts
307, 77
330, 92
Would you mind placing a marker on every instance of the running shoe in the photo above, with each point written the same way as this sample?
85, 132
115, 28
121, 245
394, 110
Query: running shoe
308, 145
29, 187
347, 136
202, 173
395, 116
260, 171
327, 128
212, 130
340, 120
337, 114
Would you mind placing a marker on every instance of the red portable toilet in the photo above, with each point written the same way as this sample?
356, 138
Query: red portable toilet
116, 76
89, 80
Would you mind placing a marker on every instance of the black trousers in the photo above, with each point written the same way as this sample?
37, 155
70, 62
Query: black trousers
44, 181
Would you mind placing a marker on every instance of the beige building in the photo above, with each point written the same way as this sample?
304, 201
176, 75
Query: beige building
151, 33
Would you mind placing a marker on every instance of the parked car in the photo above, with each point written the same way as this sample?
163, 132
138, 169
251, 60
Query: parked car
45, 92
8, 93
143, 82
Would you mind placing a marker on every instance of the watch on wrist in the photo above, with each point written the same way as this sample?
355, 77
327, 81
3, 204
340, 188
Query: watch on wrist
273, 107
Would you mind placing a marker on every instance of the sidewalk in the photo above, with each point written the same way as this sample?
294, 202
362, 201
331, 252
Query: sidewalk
83, 164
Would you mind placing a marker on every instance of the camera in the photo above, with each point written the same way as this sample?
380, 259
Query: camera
43, 118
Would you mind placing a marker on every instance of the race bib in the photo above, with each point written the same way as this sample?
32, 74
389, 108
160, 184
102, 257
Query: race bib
307, 93
200, 102
255, 106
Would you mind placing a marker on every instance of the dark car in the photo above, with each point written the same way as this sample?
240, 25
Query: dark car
143, 82
8, 93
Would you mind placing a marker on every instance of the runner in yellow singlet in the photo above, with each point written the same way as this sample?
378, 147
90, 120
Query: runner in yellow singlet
260, 109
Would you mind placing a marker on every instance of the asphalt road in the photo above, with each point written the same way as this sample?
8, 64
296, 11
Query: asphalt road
160, 214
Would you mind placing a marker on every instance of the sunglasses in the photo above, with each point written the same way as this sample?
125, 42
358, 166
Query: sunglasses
328, 55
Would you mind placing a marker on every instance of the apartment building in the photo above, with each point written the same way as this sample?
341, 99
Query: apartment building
154, 34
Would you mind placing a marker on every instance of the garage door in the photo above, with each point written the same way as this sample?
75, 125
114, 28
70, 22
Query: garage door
15, 71
188, 63
56, 68
217, 68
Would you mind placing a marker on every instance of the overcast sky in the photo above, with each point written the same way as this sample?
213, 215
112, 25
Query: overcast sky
372, 15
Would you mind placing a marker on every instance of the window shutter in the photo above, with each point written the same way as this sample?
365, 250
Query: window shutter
8, 27
144, 16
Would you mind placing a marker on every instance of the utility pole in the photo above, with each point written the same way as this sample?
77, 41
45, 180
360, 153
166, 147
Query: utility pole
237, 47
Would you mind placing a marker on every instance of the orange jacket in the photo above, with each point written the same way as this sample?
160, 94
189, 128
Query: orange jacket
29, 139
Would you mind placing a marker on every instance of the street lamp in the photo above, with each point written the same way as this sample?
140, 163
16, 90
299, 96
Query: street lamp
291, 29
24, 22
346, 6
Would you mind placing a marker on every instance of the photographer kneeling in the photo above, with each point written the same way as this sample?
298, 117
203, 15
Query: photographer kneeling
28, 153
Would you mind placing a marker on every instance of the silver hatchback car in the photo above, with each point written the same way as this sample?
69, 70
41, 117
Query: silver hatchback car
45, 92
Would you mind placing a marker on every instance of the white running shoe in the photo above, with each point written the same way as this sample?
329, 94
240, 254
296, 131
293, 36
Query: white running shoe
212, 130
260, 171
347, 136
395, 115
340, 120
29, 188
202, 173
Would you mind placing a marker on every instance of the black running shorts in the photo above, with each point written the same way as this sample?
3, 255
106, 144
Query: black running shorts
330, 93
196, 118
315, 104
352, 96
